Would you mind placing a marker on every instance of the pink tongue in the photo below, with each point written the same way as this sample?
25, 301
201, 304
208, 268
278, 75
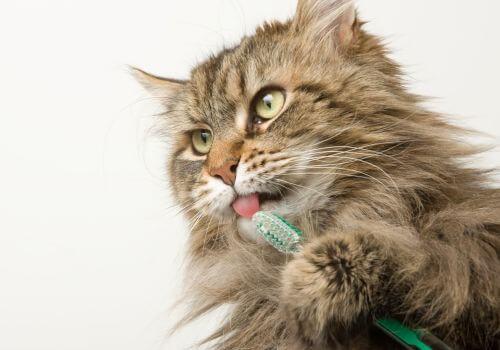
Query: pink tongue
246, 206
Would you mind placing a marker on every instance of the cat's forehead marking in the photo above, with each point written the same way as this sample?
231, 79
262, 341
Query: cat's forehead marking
225, 85
241, 118
217, 90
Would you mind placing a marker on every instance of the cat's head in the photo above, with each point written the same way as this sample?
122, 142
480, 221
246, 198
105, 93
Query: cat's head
292, 117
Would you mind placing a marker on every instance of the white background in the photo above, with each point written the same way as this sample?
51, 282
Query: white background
90, 253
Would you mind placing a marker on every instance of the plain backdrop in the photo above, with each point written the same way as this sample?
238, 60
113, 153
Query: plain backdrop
91, 249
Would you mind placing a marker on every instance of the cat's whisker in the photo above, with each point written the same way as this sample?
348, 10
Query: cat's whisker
218, 234
275, 177
272, 181
195, 221
206, 234
354, 160
301, 186
327, 153
352, 150
181, 207
366, 146
365, 175
346, 148
190, 206
278, 187
176, 205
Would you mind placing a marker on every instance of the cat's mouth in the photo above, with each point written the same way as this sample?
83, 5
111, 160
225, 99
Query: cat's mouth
246, 206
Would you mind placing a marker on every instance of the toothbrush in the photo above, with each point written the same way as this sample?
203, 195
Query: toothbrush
278, 232
287, 238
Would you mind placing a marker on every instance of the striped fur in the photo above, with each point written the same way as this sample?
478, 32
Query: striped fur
396, 223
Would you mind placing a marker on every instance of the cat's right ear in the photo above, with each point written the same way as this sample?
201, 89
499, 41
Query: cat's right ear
327, 21
158, 87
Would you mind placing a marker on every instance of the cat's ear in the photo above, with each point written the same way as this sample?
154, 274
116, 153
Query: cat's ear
161, 88
327, 20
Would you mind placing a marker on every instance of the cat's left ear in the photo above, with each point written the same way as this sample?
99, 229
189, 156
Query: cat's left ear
161, 88
332, 21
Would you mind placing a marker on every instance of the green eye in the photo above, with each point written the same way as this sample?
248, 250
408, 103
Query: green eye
202, 140
269, 104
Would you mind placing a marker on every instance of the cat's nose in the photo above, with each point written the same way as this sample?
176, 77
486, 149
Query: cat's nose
227, 172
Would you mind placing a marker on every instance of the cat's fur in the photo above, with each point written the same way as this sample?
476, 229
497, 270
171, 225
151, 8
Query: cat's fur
395, 221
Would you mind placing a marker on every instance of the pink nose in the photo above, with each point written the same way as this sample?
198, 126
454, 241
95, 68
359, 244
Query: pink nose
227, 172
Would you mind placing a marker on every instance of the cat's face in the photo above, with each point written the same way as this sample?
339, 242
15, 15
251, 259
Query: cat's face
251, 130
274, 124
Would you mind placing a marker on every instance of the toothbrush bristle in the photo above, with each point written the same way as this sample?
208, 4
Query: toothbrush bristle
277, 231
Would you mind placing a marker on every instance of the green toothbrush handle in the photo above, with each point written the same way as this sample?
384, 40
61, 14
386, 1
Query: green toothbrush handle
410, 338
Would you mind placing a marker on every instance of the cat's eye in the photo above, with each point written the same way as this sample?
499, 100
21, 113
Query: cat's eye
269, 103
202, 140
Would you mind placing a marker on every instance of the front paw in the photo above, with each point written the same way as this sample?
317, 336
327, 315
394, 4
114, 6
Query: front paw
327, 290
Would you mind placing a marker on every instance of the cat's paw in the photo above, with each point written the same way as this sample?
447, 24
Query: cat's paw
327, 288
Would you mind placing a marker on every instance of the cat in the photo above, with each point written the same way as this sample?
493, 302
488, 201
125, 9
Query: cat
311, 119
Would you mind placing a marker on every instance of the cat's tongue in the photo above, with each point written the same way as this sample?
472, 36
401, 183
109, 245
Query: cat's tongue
246, 206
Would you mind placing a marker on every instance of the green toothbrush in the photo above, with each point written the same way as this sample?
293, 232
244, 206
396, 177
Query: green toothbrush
277, 231
287, 238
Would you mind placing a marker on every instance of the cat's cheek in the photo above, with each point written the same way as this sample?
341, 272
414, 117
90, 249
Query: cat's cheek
215, 199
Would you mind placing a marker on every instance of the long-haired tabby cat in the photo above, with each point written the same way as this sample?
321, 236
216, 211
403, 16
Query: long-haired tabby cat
311, 119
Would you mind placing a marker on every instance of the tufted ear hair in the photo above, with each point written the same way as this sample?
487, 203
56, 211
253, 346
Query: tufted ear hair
158, 87
327, 20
